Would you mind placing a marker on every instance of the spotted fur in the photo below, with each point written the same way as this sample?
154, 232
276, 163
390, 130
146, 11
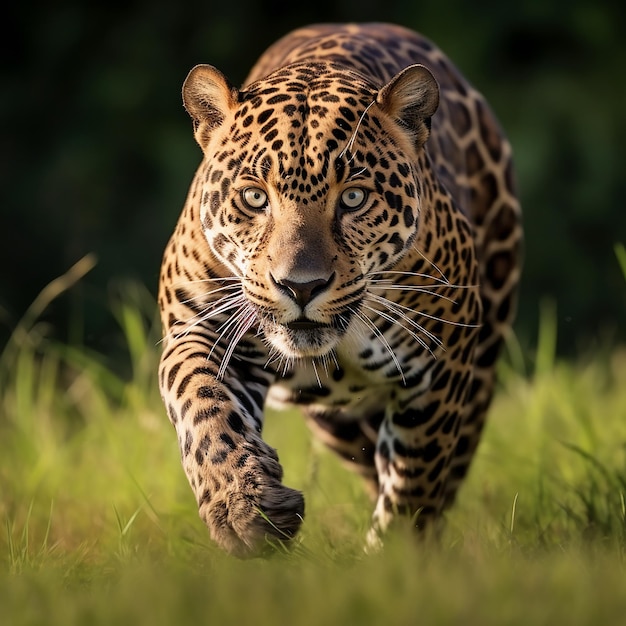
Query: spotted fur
350, 244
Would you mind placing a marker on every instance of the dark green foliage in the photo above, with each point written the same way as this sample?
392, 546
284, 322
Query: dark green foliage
97, 151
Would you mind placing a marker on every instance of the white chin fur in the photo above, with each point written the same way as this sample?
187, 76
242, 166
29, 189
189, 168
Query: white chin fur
303, 343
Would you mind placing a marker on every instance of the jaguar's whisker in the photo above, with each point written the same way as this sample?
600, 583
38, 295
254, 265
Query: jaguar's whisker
201, 296
273, 356
436, 267
401, 311
183, 328
441, 282
228, 328
429, 316
317, 376
412, 288
381, 337
249, 317
213, 309
212, 279
415, 336
289, 361
352, 139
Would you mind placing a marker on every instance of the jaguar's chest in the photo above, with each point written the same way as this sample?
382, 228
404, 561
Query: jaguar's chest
351, 386
346, 399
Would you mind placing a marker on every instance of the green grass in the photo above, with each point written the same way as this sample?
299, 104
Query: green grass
99, 525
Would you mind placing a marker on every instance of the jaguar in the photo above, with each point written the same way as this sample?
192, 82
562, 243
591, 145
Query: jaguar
351, 244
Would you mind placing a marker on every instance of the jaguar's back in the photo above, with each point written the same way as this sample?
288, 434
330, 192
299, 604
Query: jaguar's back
352, 249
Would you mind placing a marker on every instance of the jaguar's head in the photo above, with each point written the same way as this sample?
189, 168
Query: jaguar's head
309, 188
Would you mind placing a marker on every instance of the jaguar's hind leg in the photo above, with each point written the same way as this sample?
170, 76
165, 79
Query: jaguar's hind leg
353, 441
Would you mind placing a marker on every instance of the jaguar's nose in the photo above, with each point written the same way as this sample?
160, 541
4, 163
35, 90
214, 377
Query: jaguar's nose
303, 293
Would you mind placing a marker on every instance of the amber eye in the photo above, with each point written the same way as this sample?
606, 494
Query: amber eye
353, 198
254, 198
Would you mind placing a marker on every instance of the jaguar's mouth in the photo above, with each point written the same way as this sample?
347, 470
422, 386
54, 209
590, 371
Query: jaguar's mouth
304, 323
301, 337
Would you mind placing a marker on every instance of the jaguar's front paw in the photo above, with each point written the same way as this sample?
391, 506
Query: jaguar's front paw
252, 509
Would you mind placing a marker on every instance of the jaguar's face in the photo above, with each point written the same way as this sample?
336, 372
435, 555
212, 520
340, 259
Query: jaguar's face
308, 192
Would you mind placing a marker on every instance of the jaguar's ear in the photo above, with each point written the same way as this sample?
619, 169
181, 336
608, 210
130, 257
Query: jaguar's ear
207, 96
411, 98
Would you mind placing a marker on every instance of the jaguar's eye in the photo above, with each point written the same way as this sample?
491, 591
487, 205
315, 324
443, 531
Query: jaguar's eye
353, 198
254, 198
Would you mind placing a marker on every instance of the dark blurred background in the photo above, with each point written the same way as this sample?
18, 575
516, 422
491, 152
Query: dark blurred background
97, 151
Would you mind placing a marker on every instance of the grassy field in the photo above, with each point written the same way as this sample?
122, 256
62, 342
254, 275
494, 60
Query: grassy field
100, 526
